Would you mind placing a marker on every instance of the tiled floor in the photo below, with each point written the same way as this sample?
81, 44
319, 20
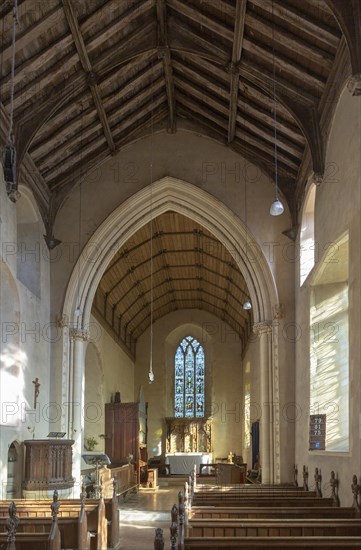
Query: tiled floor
141, 513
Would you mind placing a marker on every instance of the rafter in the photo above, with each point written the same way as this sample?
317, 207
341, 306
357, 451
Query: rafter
86, 132
204, 304
164, 54
348, 16
290, 69
26, 36
187, 280
63, 185
288, 162
53, 98
27, 126
34, 64
162, 254
311, 52
303, 110
202, 19
309, 26
87, 67
234, 72
252, 117
77, 155
194, 42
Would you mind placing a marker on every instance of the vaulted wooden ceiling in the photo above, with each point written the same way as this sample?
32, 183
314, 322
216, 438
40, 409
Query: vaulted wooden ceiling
92, 76
169, 264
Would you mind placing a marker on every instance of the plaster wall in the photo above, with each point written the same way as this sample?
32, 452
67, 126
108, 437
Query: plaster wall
222, 348
337, 211
251, 360
25, 336
107, 369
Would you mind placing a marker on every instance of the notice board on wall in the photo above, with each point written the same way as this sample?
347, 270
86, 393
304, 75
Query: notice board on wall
317, 439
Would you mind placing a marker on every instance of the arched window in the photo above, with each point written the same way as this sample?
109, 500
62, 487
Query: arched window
189, 379
307, 237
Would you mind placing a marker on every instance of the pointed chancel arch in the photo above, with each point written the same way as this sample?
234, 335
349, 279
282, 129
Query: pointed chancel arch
184, 198
171, 194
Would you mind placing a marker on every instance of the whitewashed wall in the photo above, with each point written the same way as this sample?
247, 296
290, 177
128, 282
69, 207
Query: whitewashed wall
337, 211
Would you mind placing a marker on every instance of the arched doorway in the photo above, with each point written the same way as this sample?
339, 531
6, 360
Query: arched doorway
14, 471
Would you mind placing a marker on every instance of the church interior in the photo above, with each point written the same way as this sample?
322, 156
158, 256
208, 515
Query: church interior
180, 239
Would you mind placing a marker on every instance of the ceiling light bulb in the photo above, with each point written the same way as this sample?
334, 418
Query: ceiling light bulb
277, 208
151, 377
247, 305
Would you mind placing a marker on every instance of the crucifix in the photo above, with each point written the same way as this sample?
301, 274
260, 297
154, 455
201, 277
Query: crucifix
36, 390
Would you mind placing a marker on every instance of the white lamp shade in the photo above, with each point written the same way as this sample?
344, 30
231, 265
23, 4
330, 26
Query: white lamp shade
277, 208
247, 305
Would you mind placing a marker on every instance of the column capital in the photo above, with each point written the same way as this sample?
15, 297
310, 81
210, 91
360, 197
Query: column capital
354, 84
79, 334
279, 311
264, 327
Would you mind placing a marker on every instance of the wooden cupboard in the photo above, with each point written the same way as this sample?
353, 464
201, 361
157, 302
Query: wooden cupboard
126, 434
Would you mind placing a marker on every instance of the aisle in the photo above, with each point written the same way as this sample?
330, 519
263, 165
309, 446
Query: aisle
141, 513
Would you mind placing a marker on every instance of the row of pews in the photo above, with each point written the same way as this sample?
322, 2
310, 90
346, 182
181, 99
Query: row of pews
83, 524
245, 517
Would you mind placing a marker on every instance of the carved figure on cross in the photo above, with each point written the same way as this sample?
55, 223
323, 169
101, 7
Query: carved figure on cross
36, 390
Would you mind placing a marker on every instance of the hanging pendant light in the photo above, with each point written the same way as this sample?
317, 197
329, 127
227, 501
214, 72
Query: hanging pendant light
247, 304
78, 311
151, 373
277, 207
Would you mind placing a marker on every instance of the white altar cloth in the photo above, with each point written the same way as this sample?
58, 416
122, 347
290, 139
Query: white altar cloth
183, 463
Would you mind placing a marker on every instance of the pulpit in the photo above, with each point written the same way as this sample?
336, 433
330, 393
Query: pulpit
48, 466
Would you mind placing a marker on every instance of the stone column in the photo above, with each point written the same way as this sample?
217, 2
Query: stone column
264, 333
79, 338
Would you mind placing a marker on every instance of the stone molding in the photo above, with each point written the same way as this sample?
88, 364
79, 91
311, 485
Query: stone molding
265, 327
79, 334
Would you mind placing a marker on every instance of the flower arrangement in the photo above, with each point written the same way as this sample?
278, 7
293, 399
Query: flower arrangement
90, 443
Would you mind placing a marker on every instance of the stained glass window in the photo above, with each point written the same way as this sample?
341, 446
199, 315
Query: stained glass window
189, 379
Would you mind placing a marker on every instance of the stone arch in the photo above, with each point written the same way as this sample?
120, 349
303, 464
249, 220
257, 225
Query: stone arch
182, 197
177, 195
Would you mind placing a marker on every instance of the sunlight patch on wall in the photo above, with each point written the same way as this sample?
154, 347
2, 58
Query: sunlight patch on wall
329, 358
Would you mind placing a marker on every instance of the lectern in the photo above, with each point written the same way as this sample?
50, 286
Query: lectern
97, 461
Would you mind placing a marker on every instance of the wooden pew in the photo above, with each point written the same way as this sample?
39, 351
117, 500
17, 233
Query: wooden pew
250, 531
47, 539
274, 527
279, 543
208, 512
98, 515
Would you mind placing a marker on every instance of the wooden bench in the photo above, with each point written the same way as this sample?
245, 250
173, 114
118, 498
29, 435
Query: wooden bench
279, 543
47, 539
207, 512
30, 541
83, 523
241, 527
274, 527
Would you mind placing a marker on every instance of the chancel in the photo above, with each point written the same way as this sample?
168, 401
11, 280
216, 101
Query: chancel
180, 208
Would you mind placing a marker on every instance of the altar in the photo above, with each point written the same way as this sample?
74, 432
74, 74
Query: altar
183, 463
